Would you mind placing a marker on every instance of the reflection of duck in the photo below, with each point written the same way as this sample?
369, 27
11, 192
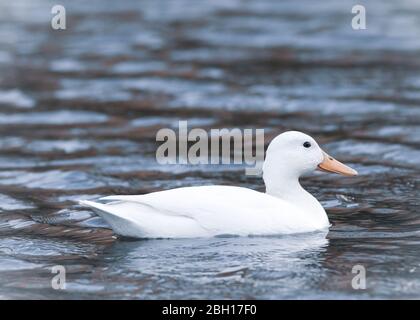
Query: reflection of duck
214, 210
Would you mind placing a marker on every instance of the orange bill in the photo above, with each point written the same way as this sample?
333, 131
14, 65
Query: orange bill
329, 164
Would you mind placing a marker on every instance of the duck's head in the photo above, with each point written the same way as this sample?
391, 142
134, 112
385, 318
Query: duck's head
293, 153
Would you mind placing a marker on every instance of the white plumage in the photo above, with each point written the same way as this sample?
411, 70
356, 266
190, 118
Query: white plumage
207, 211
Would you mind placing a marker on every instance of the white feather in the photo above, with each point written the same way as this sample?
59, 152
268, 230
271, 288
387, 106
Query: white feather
202, 211
217, 210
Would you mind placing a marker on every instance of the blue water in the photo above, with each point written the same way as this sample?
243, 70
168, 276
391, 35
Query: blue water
79, 112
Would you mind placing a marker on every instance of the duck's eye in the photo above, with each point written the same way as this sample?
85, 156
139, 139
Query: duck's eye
306, 144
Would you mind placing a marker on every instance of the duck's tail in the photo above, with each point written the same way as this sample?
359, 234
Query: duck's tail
111, 213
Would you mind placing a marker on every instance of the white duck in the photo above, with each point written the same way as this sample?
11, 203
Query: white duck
207, 211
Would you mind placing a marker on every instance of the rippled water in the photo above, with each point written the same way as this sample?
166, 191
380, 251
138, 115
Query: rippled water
80, 108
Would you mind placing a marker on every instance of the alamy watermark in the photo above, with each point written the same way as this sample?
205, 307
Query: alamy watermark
58, 282
200, 147
359, 280
58, 21
359, 20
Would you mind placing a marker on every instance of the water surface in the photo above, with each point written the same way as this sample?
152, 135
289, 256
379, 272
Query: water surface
79, 112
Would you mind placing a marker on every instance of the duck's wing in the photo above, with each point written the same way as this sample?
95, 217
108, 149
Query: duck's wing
199, 211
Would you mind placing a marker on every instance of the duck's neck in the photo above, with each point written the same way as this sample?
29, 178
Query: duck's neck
288, 188
290, 191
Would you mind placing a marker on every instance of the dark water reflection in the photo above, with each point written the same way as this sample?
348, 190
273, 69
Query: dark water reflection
79, 111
